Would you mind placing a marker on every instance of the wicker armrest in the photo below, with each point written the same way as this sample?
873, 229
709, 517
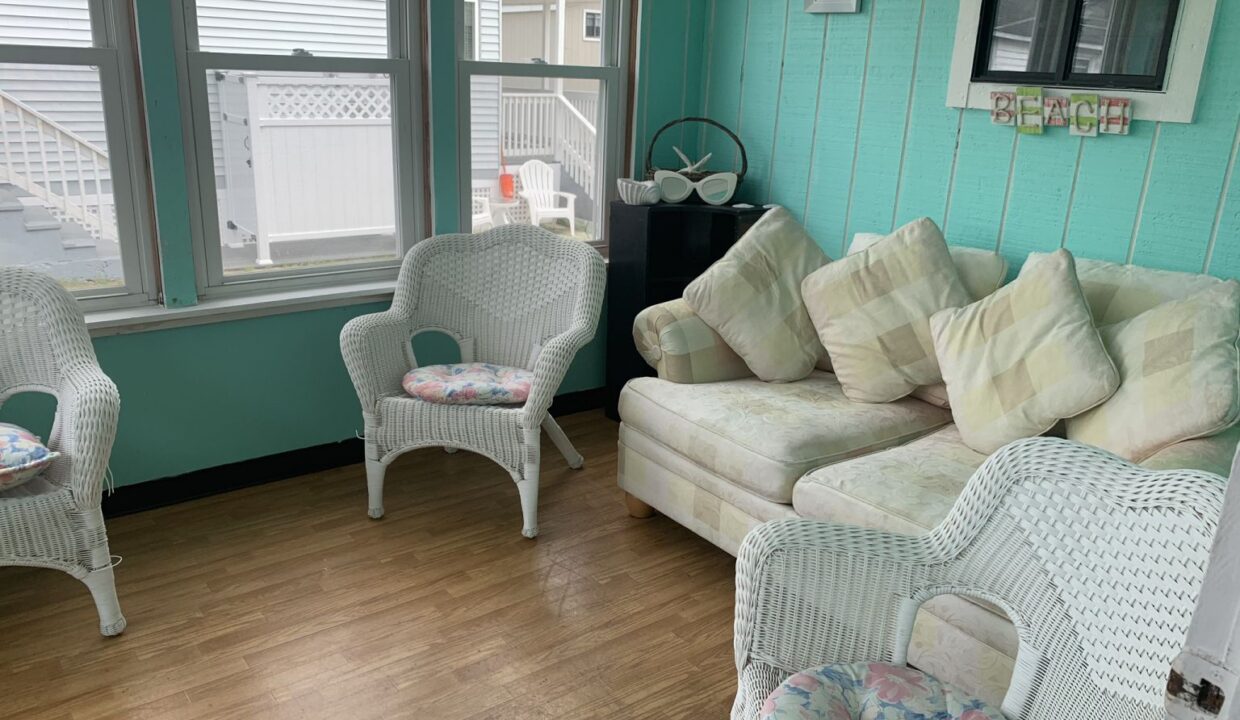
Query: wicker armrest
682, 348
377, 353
88, 409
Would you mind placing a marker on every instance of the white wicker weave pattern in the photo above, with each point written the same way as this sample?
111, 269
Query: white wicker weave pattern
502, 293
1097, 562
44, 347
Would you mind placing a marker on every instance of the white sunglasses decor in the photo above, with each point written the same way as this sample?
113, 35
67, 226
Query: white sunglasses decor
714, 189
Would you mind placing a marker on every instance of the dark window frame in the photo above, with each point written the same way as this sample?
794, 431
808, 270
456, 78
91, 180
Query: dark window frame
1062, 75
586, 26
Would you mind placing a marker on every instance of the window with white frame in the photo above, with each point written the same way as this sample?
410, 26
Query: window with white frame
305, 152
592, 23
1149, 51
542, 111
73, 197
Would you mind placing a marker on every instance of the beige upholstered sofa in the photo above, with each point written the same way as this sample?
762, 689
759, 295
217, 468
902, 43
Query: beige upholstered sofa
719, 451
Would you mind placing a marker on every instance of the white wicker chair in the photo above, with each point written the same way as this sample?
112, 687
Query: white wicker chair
1098, 564
516, 295
54, 521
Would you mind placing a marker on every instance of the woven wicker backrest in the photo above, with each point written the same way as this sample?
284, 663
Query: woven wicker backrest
42, 332
1098, 563
507, 289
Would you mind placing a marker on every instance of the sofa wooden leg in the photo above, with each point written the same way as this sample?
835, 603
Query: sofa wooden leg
637, 508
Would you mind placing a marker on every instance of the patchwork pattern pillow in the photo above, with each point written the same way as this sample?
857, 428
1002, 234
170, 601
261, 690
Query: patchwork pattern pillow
1121, 292
469, 384
872, 312
981, 271
752, 298
22, 456
1178, 366
677, 343
1023, 358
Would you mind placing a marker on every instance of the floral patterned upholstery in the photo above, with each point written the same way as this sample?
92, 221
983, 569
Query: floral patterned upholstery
469, 384
871, 691
22, 456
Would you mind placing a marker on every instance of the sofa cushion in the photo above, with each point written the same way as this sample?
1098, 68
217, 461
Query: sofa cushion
1178, 366
905, 489
765, 436
1022, 359
1119, 292
752, 298
872, 311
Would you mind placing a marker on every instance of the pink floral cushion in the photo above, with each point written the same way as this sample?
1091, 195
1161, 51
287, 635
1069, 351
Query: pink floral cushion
469, 384
22, 456
871, 691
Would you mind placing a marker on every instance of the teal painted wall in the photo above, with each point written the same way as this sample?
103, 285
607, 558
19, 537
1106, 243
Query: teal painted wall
845, 122
208, 395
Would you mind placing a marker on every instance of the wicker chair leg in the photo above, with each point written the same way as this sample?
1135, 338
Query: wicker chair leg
571, 456
527, 486
374, 486
102, 586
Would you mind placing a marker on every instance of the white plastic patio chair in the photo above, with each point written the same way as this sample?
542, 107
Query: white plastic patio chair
1098, 563
517, 296
54, 520
480, 212
538, 191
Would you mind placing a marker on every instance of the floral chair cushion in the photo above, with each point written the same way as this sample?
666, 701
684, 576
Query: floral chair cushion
871, 691
22, 456
469, 384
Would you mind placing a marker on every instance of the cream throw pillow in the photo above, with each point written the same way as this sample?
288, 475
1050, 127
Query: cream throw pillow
872, 311
752, 298
981, 271
1023, 358
1178, 366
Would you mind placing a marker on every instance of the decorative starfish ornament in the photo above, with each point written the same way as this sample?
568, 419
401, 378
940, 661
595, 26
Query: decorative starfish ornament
691, 166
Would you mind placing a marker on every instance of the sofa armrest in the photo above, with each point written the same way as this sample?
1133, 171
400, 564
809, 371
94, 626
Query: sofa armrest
1212, 454
683, 348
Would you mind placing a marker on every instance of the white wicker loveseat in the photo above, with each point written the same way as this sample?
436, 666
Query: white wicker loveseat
54, 521
1097, 562
517, 296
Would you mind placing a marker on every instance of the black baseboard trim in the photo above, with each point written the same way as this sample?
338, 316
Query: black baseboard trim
273, 468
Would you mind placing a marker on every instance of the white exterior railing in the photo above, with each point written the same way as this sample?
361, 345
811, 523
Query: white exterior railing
549, 125
63, 170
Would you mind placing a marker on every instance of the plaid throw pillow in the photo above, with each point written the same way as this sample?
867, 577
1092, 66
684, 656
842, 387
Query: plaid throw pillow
872, 311
1023, 358
1178, 366
752, 298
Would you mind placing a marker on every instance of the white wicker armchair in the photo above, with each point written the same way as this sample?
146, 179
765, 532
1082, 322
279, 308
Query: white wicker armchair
1098, 563
516, 295
54, 521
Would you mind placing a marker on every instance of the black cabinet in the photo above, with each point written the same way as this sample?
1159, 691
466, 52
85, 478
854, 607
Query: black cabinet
656, 250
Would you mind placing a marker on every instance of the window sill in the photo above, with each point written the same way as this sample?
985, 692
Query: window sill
103, 323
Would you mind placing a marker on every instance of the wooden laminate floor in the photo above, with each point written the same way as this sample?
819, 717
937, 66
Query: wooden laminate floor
286, 601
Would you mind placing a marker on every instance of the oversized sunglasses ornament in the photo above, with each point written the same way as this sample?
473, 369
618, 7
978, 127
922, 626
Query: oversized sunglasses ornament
710, 186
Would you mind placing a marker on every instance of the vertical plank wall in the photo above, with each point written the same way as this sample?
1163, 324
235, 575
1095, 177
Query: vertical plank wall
845, 123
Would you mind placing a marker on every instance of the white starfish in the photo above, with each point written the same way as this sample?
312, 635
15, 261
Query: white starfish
691, 166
